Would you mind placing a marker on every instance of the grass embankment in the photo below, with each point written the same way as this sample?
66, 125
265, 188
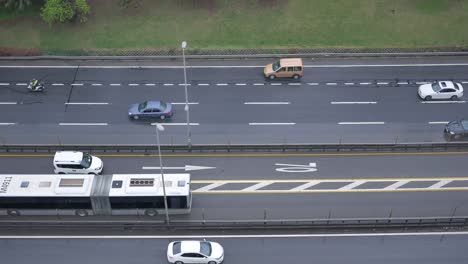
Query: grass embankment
218, 24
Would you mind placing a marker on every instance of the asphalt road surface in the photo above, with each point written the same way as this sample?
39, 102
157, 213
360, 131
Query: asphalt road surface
370, 101
350, 249
291, 186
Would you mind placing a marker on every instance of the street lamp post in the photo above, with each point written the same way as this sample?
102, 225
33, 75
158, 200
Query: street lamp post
161, 128
187, 109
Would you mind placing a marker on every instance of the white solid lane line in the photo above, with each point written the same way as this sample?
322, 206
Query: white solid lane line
438, 122
271, 124
83, 124
8, 103
7, 124
443, 102
190, 103
361, 123
344, 103
267, 103
396, 234
86, 103
175, 124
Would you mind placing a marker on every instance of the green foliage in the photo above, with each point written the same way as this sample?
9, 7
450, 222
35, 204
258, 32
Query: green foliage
82, 9
57, 11
15, 4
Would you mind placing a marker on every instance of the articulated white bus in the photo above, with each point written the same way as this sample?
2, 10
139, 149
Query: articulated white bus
82, 195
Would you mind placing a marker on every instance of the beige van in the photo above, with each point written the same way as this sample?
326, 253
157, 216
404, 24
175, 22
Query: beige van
284, 68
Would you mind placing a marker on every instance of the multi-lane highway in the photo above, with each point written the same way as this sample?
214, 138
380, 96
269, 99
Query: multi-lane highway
422, 248
351, 101
299, 185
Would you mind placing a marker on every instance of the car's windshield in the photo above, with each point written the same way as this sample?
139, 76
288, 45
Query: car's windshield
86, 161
436, 87
464, 124
142, 106
205, 248
163, 106
276, 66
176, 248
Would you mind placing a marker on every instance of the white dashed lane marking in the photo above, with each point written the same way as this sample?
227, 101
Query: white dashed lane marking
241, 84
221, 84
347, 103
8, 103
84, 103
168, 84
330, 83
4, 84
133, 84
57, 84
96, 84
77, 84
349, 83
271, 124
21, 84
182, 103
312, 83
7, 124
361, 123
267, 103
115, 84
83, 124
438, 122
175, 124
150, 84
258, 84
203, 84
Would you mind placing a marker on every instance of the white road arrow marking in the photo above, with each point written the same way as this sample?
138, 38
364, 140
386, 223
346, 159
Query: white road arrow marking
186, 168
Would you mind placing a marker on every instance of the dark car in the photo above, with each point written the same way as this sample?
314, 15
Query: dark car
457, 129
150, 109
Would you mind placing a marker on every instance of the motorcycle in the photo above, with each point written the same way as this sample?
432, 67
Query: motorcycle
36, 86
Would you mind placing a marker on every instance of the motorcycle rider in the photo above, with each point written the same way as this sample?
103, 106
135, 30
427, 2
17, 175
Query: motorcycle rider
35, 85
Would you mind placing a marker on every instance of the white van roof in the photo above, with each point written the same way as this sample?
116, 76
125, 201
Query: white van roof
68, 156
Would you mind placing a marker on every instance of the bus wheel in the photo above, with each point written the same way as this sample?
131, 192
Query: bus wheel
81, 213
13, 212
151, 212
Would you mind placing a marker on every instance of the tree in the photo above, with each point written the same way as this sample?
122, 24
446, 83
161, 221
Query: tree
82, 8
57, 11
15, 4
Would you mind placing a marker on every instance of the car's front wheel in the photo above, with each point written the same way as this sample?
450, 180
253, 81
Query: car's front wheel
162, 117
296, 76
135, 117
427, 98
271, 77
178, 262
211, 262
454, 97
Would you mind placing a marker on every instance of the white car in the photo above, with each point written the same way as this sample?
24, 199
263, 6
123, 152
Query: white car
181, 252
440, 90
76, 162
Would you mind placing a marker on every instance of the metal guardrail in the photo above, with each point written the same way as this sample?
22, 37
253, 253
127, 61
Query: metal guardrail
147, 222
152, 148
